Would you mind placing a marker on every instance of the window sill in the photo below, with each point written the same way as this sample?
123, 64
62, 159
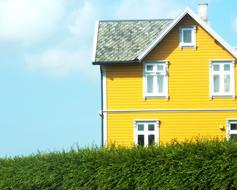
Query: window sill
156, 97
187, 46
222, 96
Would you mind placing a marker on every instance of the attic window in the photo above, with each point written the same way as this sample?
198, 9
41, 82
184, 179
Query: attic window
188, 36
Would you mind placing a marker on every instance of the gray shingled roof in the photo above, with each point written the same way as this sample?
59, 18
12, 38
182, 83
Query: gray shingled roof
125, 40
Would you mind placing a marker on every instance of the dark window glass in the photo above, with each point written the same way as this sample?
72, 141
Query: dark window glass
141, 140
233, 137
140, 127
151, 139
151, 127
233, 126
187, 36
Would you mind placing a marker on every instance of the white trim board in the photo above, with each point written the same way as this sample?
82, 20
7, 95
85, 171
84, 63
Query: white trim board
171, 110
200, 22
105, 130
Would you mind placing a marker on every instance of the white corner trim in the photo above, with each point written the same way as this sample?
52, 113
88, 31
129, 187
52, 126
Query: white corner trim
105, 127
95, 41
200, 22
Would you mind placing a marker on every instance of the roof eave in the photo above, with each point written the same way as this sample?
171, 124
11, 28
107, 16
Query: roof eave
115, 62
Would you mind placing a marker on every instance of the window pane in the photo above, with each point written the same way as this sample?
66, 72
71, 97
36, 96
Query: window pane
160, 67
140, 140
216, 67
149, 67
227, 83
216, 83
227, 67
151, 127
140, 127
151, 139
187, 36
160, 83
233, 126
233, 137
150, 84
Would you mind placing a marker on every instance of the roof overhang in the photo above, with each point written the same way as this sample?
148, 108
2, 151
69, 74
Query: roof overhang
114, 62
175, 22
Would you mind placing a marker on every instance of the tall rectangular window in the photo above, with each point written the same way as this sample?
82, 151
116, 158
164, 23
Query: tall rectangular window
146, 133
222, 78
156, 79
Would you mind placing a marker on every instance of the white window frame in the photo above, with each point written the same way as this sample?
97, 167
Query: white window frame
229, 131
223, 94
146, 132
193, 36
155, 73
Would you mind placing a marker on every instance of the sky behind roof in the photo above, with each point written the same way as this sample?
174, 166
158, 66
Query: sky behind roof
50, 92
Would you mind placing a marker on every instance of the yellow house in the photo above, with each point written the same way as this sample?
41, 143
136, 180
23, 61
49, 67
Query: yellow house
165, 79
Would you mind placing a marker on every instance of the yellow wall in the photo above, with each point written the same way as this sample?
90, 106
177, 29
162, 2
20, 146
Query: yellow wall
188, 89
178, 126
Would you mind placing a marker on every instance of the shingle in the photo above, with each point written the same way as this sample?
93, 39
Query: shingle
124, 40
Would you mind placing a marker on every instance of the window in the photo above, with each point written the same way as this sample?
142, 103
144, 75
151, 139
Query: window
232, 130
156, 79
188, 36
222, 78
146, 133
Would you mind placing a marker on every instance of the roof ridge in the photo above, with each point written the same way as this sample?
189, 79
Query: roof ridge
133, 20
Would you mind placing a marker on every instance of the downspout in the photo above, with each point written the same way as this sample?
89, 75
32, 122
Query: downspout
102, 107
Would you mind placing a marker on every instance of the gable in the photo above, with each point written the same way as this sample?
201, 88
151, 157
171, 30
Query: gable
204, 25
206, 45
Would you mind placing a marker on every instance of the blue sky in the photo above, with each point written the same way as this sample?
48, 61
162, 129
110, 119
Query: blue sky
50, 92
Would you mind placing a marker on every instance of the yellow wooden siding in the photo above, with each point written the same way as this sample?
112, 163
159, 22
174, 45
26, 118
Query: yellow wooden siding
188, 76
188, 88
180, 126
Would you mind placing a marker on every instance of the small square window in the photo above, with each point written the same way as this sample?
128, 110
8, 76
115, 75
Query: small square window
140, 127
151, 127
149, 68
227, 67
146, 133
160, 67
187, 37
216, 67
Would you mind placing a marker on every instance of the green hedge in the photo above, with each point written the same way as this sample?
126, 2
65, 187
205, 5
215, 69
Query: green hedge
198, 165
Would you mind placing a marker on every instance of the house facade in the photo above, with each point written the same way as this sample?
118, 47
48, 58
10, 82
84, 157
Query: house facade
165, 79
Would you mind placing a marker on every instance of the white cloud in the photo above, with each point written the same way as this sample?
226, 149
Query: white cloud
27, 21
83, 21
140, 9
73, 54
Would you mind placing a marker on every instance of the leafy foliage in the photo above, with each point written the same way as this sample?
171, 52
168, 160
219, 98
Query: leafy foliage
188, 165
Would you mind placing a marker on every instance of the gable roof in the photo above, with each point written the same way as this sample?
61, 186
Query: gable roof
131, 41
